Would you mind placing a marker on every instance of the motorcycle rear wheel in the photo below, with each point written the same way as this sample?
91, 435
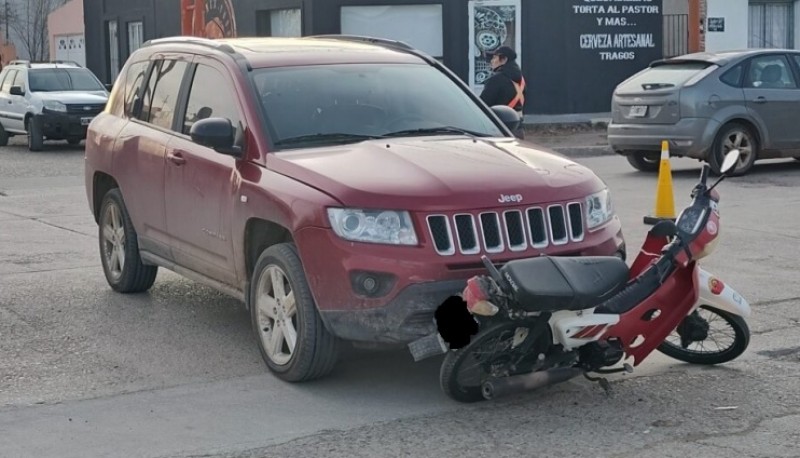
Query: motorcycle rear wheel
489, 353
740, 340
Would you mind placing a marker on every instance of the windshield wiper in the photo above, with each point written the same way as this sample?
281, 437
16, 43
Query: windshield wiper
332, 137
434, 131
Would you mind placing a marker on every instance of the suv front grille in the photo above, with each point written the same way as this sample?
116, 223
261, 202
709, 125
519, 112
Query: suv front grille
514, 230
81, 108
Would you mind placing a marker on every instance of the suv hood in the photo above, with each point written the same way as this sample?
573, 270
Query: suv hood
92, 97
437, 173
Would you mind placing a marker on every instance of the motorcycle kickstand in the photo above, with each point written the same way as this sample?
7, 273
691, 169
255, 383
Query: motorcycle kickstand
604, 383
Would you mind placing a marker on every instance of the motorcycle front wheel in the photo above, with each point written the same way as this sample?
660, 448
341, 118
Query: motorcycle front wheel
727, 338
492, 352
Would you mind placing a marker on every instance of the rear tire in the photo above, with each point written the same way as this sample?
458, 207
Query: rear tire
455, 360
119, 248
3, 136
645, 162
740, 342
734, 135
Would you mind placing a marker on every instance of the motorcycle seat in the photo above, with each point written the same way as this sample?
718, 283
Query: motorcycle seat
550, 283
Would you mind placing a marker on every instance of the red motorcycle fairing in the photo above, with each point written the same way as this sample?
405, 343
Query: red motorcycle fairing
658, 315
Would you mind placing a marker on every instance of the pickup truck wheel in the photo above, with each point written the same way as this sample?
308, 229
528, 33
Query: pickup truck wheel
119, 248
291, 336
3, 136
35, 135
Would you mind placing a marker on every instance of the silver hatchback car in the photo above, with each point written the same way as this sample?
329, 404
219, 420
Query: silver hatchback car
706, 104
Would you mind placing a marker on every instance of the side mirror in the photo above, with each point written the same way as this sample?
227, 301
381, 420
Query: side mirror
216, 133
730, 161
508, 116
17, 90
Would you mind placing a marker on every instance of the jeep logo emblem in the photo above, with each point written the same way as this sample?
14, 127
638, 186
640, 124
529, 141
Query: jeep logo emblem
505, 198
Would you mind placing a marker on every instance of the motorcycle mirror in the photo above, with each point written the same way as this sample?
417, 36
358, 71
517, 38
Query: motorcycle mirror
731, 158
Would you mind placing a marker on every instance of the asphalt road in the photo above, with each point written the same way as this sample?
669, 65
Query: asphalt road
176, 372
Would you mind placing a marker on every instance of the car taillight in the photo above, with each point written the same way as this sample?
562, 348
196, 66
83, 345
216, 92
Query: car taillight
476, 297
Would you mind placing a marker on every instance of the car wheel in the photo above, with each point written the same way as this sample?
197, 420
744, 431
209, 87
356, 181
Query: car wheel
3, 136
734, 136
119, 248
645, 162
291, 336
35, 135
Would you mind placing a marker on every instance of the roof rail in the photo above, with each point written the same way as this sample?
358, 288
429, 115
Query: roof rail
20, 62
187, 39
365, 39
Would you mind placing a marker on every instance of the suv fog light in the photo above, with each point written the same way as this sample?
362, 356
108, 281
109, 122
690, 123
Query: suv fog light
371, 284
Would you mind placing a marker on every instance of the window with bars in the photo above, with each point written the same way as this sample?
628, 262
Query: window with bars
771, 25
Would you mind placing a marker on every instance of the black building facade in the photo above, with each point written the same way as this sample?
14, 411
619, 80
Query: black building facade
572, 52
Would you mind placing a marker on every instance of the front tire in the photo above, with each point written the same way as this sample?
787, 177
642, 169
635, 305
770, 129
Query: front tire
119, 248
645, 162
292, 338
740, 340
3, 136
35, 134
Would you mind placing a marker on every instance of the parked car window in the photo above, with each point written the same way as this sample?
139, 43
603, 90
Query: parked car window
63, 79
19, 80
210, 97
9, 81
165, 82
663, 76
364, 99
733, 77
133, 82
770, 72
797, 60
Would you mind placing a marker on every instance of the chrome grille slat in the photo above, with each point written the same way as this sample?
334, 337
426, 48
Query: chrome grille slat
515, 230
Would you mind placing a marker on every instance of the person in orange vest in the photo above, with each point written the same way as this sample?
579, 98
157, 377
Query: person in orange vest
507, 85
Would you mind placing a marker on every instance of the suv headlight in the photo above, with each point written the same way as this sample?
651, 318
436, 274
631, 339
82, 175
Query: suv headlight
599, 209
376, 226
54, 105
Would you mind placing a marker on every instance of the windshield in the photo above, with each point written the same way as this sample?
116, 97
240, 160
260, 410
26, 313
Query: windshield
350, 102
62, 79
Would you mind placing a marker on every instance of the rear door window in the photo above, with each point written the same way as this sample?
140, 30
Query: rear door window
770, 72
663, 76
733, 77
162, 92
133, 82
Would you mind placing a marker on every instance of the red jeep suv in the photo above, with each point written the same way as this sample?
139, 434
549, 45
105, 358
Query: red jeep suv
342, 187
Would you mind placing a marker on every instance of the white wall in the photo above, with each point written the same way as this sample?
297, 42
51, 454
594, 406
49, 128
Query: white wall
675, 6
735, 13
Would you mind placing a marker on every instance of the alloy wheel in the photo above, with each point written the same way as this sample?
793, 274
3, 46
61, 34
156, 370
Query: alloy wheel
114, 241
276, 315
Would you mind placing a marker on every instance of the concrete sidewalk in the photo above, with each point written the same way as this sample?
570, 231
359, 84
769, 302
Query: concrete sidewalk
575, 140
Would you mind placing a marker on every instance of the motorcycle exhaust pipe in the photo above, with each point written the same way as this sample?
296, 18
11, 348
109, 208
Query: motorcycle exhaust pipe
527, 382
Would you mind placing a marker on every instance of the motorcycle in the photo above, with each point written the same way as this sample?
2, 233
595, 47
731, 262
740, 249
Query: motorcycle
545, 320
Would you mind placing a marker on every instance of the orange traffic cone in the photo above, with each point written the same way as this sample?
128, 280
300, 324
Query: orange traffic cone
665, 201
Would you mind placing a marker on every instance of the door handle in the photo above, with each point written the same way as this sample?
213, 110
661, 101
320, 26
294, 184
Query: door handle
176, 158
760, 99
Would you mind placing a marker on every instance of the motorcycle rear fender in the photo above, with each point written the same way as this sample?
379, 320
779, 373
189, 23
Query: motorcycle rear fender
716, 293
